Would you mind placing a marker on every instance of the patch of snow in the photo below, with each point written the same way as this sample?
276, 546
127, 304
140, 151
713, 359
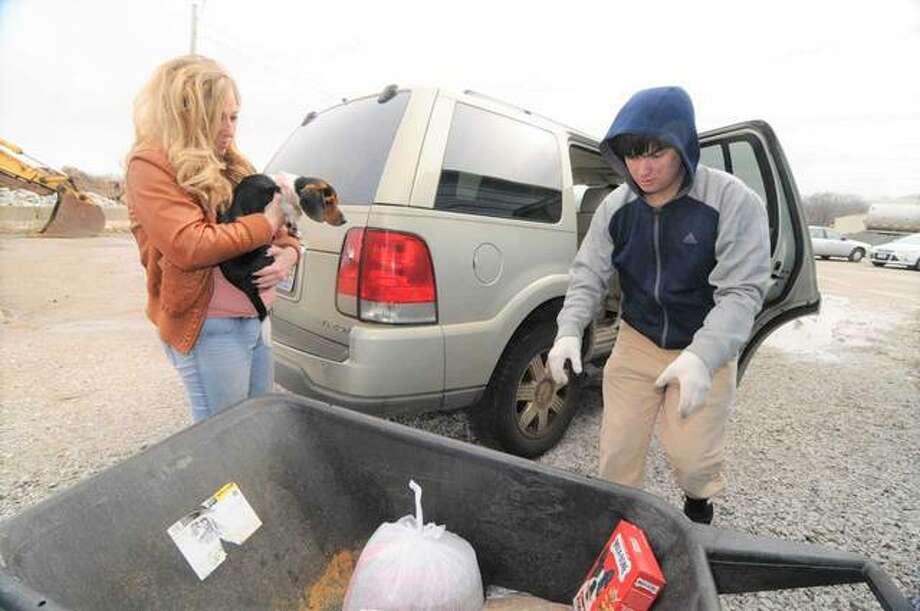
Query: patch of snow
840, 331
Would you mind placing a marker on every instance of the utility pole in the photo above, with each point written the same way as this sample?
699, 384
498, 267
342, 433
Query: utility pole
194, 27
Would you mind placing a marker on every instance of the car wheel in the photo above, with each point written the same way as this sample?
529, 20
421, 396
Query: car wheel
877, 264
523, 412
824, 257
857, 255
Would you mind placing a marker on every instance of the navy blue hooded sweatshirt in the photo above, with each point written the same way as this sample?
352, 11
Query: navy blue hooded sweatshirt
693, 272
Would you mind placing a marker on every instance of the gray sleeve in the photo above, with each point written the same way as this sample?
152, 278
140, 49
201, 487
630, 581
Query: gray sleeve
741, 277
589, 276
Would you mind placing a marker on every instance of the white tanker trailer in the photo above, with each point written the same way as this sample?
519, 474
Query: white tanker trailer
894, 218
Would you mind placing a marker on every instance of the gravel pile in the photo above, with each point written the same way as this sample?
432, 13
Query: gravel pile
820, 452
21, 197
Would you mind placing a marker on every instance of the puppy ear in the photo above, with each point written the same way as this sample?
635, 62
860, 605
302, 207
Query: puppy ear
326, 189
331, 211
311, 202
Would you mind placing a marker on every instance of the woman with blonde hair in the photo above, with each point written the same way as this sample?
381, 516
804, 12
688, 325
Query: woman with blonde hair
181, 172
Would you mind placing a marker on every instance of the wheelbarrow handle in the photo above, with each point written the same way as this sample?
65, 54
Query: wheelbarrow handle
743, 563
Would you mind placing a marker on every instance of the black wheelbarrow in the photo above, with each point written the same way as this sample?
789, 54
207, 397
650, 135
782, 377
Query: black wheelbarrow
321, 479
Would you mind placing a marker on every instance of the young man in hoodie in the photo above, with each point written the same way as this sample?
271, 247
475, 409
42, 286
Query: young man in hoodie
692, 249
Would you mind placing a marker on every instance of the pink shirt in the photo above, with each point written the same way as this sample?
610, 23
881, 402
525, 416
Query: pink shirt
230, 302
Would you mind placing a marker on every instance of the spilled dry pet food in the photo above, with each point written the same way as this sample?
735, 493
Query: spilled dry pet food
328, 592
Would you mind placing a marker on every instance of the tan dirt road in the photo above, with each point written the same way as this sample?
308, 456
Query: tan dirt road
84, 380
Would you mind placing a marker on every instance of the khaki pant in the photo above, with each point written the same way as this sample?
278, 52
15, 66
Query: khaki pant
632, 405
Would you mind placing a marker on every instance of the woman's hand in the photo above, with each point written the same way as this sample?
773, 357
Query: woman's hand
274, 213
271, 275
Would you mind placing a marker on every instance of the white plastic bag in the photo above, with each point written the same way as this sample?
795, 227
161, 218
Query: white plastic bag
412, 566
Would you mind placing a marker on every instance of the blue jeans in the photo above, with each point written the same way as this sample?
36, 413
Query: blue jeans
229, 362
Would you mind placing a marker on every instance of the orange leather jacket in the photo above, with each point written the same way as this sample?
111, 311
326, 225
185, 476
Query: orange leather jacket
180, 242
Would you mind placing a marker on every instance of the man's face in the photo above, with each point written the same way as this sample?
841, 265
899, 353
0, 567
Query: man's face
658, 174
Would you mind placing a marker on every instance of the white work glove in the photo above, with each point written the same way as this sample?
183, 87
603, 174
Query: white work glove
565, 349
693, 376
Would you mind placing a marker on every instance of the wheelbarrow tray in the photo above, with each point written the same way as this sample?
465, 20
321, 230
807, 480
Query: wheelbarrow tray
322, 478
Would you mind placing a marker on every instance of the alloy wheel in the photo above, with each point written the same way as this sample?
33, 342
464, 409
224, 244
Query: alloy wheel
538, 400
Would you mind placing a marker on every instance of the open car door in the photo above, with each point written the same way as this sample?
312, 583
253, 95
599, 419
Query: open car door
751, 152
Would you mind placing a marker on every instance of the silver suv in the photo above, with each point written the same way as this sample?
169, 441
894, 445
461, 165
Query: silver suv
464, 214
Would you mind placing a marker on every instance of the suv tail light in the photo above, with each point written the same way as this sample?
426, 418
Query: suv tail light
386, 276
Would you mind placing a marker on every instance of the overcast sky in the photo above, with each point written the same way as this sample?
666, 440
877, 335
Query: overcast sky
837, 80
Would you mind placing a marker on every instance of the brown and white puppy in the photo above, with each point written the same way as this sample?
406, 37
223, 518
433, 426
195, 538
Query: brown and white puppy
318, 200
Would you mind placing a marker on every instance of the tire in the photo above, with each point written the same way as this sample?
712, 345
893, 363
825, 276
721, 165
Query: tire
877, 264
857, 255
523, 412
824, 257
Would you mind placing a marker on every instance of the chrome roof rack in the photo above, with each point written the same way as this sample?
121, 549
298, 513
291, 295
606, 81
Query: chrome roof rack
524, 110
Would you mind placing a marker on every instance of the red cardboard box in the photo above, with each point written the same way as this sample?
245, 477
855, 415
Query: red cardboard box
625, 576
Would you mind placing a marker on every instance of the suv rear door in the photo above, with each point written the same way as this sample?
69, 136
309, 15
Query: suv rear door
751, 152
352, 146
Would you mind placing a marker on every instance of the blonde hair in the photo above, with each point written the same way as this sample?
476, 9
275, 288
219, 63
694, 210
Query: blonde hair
179, 110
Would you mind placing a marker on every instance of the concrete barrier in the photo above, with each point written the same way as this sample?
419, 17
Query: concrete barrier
30, 219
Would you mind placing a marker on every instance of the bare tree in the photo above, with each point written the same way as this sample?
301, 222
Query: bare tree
822, 208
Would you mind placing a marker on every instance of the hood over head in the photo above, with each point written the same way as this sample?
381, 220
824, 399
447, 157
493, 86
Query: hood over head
664, 113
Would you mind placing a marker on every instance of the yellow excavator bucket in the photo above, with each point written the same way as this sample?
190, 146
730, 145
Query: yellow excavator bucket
73, 217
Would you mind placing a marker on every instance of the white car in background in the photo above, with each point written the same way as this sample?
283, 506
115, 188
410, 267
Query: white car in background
827, 243
903, 252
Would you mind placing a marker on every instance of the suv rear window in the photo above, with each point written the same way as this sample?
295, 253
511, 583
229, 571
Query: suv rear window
346, 145
496, 166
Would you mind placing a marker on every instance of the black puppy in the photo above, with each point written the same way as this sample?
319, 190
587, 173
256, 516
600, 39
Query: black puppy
315, 197
252, 195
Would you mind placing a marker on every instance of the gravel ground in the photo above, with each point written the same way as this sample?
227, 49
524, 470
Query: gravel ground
824, 442
824, 447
